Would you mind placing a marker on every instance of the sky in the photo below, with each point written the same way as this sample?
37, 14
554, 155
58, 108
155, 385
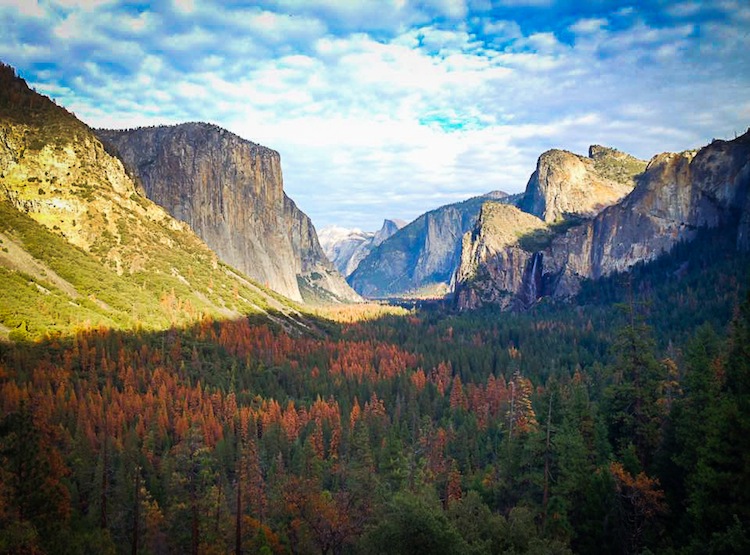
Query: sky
390, 108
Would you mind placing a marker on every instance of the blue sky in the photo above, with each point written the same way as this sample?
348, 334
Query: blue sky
389, 108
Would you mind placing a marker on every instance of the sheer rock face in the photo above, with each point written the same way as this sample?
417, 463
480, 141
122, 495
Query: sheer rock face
676, 195
420, 259
426, 254
565, 183
66, 185
230, 191
388, 228
493, 263
346, 248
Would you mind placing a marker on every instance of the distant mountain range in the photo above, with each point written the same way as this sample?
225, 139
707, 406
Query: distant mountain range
347, 247
421, 257
81, 244
579, 218
514, 259
157, 226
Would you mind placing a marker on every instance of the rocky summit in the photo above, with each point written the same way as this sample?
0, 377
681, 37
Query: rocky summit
230, 191
346, 248
423, 258
566, 184
676, 195
420, 259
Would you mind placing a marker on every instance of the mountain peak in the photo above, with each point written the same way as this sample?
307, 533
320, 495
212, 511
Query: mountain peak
677, 194
230, 191
389, 228
496, 195
97, 250
346, 248
566, 184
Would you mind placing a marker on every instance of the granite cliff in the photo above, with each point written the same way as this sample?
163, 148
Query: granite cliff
230, 192
82, 246
346, 248
420, 258
676, 195
493, 253
423, 258
565, 183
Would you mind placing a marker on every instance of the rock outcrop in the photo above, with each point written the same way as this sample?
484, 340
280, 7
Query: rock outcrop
346, 248
230, 192
675, 196
83, 246
493, 261
388, 228
566, 184
420, 259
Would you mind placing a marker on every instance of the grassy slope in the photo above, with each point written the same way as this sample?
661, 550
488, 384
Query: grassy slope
83, 247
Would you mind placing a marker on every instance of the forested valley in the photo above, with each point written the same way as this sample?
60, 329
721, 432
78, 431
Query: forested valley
617, 423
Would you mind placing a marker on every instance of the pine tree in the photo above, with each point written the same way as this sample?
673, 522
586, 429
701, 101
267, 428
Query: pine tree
719, 488
635, 413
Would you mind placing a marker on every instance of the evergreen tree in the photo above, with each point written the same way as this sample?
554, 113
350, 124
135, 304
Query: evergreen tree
635, 412
719, 488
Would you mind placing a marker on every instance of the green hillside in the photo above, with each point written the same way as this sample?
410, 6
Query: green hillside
83, 247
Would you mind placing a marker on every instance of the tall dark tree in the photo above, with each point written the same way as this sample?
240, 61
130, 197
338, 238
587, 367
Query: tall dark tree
34, 502
719, 488
413, 526
636, 414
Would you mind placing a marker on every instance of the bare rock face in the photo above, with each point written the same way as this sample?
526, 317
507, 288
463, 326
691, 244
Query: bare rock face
743, 232
495, 268
317, 278
388, 228
675, 196
346, 248
76, 223
420, 259
567, 184
230, 191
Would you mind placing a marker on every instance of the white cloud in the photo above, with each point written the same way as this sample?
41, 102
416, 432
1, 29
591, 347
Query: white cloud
684, 9
186, 7
456, 9
502, 31
27, 8
85, 5
588, 26
70, 27
390, 111
533, 3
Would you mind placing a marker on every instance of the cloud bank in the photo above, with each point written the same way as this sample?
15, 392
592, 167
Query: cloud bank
387, 109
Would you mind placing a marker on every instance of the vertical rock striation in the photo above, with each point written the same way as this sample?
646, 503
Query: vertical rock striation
420, 259
98, 252
230, 191
495, 266
675, 196
423, 257
346, 248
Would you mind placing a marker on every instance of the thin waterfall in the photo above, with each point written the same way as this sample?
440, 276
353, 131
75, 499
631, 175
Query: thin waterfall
532, 282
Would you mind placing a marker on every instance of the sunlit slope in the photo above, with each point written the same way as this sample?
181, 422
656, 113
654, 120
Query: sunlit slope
82, 245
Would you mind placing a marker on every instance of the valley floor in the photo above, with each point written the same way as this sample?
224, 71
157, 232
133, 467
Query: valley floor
615, 424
